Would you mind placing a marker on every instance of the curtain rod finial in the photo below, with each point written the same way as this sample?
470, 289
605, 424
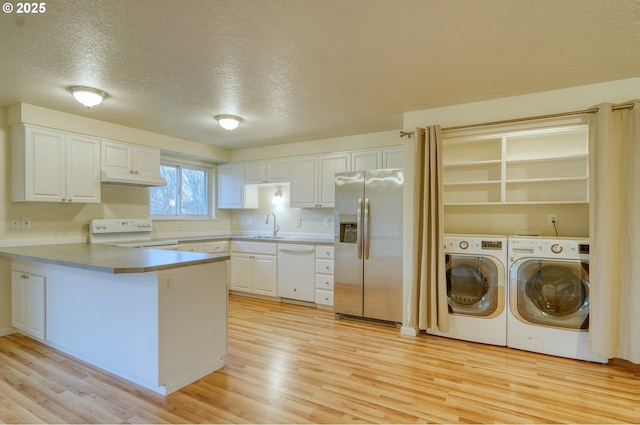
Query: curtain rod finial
406, 133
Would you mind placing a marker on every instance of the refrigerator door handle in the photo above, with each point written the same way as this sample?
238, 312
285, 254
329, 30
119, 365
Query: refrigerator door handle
359, 229
365, 229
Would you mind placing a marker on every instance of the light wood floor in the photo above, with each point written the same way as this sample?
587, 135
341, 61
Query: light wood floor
294, 364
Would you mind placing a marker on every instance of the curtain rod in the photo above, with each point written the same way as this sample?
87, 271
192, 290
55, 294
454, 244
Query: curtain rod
538, 117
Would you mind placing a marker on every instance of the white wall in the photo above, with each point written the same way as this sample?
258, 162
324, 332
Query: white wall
360, 141
573, 220
252, 221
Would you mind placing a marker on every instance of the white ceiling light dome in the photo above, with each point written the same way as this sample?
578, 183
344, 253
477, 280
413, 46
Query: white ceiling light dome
228, 122
87, 96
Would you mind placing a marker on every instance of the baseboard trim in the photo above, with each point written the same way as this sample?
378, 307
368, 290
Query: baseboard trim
409, 331
7, 331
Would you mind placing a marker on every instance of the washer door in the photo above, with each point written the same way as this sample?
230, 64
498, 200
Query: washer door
474, 285
551, 292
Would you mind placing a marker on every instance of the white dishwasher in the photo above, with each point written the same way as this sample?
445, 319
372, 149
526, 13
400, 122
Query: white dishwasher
296, 271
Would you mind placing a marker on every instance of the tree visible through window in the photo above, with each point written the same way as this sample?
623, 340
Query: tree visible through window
186, 192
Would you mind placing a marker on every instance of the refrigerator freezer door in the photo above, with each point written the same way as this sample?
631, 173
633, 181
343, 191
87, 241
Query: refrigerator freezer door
348, 289
383, 253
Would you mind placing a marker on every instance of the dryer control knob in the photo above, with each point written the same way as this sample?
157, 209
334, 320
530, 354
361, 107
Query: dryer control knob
464, 244
556, 248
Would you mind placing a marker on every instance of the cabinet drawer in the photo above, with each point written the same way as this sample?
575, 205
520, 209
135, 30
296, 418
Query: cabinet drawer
324, 251
324, 297
191, 247
216, 247
324, 266
324, 281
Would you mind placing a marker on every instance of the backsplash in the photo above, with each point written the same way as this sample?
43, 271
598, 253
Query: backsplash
312, 221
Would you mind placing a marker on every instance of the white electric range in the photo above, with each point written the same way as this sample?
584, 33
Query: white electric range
127, 232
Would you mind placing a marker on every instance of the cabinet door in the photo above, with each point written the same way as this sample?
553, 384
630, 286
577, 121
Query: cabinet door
116, 156
277, 171
329, 165
82, 169
241, 272
304, 172
28, 303
146, 161
231, 186
369, 159
18, 308
35, 302
45, 165
255, 172
393, 157
264, 276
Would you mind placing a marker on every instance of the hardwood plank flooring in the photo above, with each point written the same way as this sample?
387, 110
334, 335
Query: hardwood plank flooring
296, 364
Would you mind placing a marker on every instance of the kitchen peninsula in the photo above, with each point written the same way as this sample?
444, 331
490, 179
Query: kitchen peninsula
155, 317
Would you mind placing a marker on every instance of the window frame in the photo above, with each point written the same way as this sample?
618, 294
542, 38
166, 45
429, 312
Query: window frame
210, 169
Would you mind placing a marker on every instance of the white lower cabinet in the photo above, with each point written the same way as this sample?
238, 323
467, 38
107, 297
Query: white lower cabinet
28, 303
254, 267
324, 276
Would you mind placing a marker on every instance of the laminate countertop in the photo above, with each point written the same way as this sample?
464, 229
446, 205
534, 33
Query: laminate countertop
109, 258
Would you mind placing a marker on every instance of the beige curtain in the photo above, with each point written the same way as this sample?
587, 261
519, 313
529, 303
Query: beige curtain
427, 302
614, 214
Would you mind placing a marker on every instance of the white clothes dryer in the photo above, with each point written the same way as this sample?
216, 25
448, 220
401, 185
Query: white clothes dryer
549, 296
476, 288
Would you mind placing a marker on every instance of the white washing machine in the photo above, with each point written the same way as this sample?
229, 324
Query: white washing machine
549, 296
476, 288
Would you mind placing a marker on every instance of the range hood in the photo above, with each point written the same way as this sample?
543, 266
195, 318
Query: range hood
131, 179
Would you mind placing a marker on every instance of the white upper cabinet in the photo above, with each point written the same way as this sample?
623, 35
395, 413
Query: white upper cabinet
543, 166
328, 166
304, 182
54, 166
127, 158
372, 159
270, 171
393, 157
232, 192
313, 179
367, 159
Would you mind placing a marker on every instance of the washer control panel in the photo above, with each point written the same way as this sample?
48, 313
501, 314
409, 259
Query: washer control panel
549, 247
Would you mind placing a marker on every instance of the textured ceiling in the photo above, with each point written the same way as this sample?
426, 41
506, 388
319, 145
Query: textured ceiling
300, 70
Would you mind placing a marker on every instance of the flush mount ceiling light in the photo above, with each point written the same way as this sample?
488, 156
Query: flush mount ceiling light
87, 96
228, 122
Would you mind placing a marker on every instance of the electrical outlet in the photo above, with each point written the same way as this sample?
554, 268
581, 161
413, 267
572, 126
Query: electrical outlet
234, 220
298, 222
327, 222
26, 223
249, 220
167, 283
552, 219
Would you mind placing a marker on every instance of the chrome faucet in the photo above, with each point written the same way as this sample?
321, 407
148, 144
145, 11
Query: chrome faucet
276, 228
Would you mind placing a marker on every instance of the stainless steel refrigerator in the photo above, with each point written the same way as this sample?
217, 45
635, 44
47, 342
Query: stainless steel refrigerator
368, 244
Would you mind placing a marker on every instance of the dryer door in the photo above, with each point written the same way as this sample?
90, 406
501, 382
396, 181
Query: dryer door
551, 292
475, 285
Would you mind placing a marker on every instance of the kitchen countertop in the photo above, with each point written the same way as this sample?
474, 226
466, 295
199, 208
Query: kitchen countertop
108, 258
323, 240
